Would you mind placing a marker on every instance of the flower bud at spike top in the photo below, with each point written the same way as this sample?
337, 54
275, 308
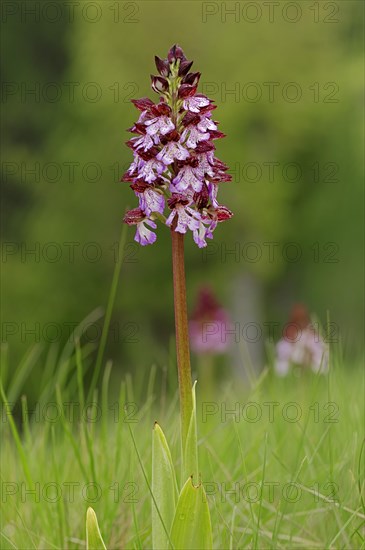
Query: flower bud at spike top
162, 66
175, 174
208, 325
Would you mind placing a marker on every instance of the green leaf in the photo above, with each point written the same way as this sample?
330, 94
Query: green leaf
164, 490
190, 463
94, 539
191, 528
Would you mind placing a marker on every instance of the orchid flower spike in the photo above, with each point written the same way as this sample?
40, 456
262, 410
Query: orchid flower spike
174, 163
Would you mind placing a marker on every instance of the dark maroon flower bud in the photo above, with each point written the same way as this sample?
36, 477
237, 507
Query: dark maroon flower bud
138, 128
215, 134
223, 213
174, 135
191, 118
220, 178
175, 53
129, 176
134, 216
161, 109
130, 143
219, 165
208, 108
192, 79
140, 186
185, 67
143, 104
201, 199
193, 161
177, 198
149, 154
159, 84
162, 66
171, 136
204, 147
186, 90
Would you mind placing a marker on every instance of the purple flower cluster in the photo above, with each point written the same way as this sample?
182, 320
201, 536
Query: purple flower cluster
174, 162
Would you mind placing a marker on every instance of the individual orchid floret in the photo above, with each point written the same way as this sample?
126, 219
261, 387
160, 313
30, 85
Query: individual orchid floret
174, 161
161, 125
182, 216
143, 234
301, 345
195, 103
171, 152
188, 178
150, 198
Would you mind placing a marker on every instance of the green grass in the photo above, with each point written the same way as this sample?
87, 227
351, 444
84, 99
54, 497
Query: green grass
271, 483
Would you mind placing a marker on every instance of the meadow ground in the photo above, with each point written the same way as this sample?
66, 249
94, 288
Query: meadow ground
282, 460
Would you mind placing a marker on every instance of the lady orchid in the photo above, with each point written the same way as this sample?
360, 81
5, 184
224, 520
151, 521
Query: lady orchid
301, 345
208, 325
174, 162
175, 168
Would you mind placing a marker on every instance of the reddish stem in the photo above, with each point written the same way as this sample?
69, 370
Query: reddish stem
182, 334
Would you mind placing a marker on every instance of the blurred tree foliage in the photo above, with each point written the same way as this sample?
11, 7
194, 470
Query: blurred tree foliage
106, 62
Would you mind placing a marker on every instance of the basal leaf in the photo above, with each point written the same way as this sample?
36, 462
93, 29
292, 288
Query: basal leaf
94, 539
190, 464
191, 528
164, 490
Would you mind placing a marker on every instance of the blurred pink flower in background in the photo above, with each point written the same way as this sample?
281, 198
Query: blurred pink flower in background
301, 345
208, 325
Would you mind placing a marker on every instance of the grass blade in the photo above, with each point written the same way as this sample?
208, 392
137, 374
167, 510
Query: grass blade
22, 373
18, 443
109, 309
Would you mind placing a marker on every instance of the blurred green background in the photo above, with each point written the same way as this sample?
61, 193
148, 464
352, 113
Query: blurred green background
287, 79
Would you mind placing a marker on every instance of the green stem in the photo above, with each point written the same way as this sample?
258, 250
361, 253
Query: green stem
182, 334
